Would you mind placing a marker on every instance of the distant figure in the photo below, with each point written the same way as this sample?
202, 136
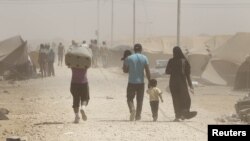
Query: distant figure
135, 65
47, 49
95, 52
179, 69
80, 91
84, 44
154, 95
51, 60
104, 54
61, 52
73, 44
42, 60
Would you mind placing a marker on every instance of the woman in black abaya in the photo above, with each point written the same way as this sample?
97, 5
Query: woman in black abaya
179, 69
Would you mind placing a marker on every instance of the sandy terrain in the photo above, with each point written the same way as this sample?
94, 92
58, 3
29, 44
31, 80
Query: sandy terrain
40, 110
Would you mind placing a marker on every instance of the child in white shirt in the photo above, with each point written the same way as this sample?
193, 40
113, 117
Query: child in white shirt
154, 95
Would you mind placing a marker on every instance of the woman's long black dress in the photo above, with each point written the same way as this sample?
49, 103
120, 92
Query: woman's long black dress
179, 70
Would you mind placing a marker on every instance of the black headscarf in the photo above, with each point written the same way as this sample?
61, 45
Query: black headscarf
178, 54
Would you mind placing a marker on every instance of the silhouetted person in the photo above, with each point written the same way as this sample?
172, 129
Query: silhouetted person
95, 52
51, 60
47, 49
104, 54
179, 69
61, 52
42, 60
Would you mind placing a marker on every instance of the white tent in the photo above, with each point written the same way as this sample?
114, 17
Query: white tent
198, 56
227, 58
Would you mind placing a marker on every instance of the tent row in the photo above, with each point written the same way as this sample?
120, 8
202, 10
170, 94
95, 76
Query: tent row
215, 59
220, 60
14, 58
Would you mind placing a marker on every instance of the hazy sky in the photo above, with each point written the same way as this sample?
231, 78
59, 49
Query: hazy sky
77, 19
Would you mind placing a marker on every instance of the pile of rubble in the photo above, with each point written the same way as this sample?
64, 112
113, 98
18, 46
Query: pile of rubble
242, 108
229, 119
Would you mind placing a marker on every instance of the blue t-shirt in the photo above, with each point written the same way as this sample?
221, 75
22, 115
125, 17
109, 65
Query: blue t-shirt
136, 64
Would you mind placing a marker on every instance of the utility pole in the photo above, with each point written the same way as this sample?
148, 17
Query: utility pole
134, 23
178, 21
98, 23
112, 23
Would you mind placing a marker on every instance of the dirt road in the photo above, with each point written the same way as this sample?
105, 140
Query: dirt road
40, 110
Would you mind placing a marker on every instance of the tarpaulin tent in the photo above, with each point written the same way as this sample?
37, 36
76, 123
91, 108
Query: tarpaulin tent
220, 72
153, 48
227, 58
235, 49
198, 56
242, 79
169, 43
212, 76
226, 69
217, 41
152, 45
198, 63
13, 54
161, 48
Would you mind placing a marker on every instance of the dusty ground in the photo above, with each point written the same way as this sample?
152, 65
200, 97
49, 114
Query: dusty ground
40, 110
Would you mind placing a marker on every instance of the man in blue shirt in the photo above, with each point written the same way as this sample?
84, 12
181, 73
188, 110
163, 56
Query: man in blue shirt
135, 65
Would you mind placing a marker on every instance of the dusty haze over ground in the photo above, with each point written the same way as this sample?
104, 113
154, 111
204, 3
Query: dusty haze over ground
40, 110
77, 19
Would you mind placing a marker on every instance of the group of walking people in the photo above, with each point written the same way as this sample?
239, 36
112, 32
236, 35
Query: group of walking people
100, 53
46, 60
135, 64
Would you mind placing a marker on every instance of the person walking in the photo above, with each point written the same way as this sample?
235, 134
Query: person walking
179, 69
154, 95
135, 65
80, 91
104, 54
51, 60
47, 49
61, 52
96, 53
41, 60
